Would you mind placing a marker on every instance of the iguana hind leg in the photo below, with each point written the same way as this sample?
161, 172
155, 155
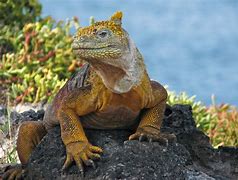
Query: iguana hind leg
151, 118
29, 136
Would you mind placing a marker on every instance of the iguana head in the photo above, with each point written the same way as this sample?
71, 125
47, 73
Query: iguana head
110, 51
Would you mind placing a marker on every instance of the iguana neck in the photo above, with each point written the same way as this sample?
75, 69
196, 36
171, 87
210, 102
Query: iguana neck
123, 77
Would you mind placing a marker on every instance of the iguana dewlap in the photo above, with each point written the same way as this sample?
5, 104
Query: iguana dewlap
111, 91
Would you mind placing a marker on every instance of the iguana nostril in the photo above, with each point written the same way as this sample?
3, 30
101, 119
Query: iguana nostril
82, 38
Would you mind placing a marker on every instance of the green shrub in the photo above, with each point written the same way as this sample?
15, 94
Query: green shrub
223, 129
19, 12
42, 61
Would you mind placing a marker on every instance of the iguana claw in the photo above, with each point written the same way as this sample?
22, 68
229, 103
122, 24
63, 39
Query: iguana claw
151, 134
81, 153
13, 173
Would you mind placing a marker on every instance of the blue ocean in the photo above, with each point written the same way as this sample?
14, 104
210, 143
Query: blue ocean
189, 45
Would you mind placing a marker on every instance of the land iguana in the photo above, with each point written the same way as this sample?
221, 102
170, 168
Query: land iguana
111, 91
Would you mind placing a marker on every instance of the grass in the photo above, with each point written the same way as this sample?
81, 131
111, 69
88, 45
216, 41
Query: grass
8, 152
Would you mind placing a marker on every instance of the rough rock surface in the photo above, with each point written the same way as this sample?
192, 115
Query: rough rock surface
191, 157
22, 112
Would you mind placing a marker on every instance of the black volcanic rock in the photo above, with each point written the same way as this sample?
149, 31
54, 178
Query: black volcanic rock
191, 157
121, 159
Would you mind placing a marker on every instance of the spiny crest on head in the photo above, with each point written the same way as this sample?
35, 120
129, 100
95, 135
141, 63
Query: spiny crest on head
117, 17
114, 24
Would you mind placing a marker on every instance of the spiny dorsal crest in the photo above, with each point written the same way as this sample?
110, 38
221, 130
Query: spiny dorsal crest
114, 24
117, 17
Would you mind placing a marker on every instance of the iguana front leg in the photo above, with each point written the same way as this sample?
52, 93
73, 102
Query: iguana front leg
151, 119
78, 148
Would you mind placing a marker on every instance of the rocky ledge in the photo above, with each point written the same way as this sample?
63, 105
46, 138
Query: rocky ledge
191, 157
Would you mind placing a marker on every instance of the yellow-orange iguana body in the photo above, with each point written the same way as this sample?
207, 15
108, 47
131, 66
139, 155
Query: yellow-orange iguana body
111, 91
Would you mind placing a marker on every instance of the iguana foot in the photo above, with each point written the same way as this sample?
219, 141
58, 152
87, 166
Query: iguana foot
152, 134
13, 173
81, 152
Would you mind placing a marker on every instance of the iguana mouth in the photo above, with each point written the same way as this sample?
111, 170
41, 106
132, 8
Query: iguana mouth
89, 48
77, 47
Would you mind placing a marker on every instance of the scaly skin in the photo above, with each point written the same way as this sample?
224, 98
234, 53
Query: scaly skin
111, 91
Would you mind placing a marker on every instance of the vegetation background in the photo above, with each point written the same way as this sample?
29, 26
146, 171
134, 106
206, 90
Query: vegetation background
36, 59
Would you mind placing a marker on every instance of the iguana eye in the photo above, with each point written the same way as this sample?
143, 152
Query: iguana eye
103, 34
